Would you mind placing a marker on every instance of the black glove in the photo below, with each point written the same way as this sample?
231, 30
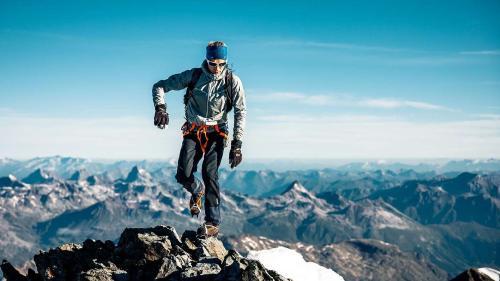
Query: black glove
235, 155
161, 116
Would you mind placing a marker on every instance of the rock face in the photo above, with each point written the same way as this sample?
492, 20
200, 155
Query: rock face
145, 254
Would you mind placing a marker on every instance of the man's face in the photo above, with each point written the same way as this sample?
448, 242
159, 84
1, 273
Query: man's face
216, 66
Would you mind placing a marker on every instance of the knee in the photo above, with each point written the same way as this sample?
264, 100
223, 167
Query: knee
210, 175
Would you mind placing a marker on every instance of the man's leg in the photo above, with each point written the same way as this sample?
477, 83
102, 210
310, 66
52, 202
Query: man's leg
209, 171
189, 157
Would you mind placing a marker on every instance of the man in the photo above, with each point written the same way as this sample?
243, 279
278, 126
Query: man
212, 91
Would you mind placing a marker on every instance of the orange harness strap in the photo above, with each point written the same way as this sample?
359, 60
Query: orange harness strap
202, 136
188, 131
221, 133
200, 133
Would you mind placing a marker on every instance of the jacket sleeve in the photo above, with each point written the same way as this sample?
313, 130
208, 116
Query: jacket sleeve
175, 82
240, 108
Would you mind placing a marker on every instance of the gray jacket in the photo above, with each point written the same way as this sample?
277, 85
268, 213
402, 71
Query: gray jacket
208, 102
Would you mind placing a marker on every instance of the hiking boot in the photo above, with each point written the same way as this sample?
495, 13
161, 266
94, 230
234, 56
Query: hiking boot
208, 230
195, 203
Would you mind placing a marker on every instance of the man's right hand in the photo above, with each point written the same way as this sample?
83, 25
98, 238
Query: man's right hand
161, 116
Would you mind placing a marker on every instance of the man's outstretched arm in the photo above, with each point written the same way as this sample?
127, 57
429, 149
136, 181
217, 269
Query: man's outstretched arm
240, 109
175, 82
240, 114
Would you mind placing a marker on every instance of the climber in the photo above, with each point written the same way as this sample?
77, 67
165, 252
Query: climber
211, 92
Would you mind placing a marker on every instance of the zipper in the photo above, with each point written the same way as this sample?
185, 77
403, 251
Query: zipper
208, 98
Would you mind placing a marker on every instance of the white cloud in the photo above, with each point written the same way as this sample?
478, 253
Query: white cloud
334, 45
392, 103
488, 116
125, 137
387, 55
317, 100
430, 60
347, 137
343, 100
271, 136
7, 111
482, 53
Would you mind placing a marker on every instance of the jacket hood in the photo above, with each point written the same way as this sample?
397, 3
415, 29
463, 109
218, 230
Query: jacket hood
211, 75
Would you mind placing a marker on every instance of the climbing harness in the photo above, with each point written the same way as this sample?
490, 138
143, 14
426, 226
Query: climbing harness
201, 132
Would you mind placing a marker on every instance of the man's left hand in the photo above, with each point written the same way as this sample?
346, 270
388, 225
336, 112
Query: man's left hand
161, 116
235, 155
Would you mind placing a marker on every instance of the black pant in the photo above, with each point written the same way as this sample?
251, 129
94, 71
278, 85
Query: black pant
189, 158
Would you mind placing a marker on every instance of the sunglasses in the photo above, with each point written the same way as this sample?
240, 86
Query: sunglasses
222, 64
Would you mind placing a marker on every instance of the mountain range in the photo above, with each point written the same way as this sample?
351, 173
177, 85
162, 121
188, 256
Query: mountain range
435, 225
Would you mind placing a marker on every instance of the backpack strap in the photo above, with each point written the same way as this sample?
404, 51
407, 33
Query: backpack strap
195, 76
228, 89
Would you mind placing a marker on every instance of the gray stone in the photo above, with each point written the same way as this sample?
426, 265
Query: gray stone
100, 274
104, 274
255, 271
232, 266
173, 264
149, 244
201, 271
214, 248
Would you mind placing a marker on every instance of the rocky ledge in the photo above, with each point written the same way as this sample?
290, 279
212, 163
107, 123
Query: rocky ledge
144, 254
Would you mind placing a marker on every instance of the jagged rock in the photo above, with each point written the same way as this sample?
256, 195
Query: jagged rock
10, 273
68, 261
214, 248
100, 250
144, 254
201, 271
62, 263
96, 275
188, 240
255, 271
148, 244
33, 276
173, 264
199, 248
232, 266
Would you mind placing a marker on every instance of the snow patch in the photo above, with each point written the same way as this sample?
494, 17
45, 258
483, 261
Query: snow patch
68, 231
440, 189
292, 265
492, 273
385, 219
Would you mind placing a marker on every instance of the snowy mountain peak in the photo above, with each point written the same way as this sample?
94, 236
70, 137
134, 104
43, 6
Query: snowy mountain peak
11, 181
137, 174
38, 176
79, 175
93, 180
302, 199
295, 188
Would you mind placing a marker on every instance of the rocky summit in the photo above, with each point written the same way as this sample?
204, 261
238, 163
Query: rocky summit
144, 254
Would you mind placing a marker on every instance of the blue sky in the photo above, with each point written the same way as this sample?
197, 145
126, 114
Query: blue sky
353, 79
